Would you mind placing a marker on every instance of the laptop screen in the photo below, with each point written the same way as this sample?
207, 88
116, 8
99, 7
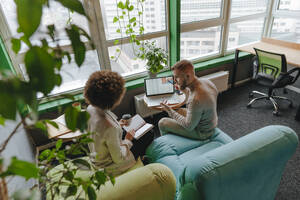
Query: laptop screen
159, 86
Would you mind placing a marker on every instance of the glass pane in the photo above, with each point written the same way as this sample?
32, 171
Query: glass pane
74, 77
247, 7
196, 10
287, 29
245, 32
154, 16
127, 64
289, 5
200, 43
56, 14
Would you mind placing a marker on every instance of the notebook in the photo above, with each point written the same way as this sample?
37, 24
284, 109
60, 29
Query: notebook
138, 124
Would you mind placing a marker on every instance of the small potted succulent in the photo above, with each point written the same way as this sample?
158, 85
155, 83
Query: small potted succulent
156, 58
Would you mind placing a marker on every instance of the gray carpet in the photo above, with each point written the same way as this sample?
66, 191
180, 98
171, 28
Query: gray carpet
236, 120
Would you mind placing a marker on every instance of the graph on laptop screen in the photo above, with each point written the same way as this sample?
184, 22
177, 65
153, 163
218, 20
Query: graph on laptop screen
159, 86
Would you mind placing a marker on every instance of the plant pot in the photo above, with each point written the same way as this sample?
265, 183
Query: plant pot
152, 75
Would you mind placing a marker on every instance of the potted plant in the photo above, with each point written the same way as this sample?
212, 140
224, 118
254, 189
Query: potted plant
156, 58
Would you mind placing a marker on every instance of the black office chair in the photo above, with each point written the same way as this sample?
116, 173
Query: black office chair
270, 70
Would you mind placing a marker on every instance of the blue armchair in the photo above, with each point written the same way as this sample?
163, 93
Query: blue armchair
220, 168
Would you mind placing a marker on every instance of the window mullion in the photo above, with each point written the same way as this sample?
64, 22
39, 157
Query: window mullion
97, 32
187, 27
247, 17
269, 18
225, 30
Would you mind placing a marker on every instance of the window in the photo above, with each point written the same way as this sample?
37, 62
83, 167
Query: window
201, 27
192, 10
286, 25
247, 7
246, 23
72, 76
245, 32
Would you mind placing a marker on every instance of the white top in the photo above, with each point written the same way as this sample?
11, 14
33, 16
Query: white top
108, 150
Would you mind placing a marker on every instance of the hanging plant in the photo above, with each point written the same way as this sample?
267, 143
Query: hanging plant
130, 25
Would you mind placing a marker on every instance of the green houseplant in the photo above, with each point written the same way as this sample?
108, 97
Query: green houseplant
156, 58
129, 20
43, 62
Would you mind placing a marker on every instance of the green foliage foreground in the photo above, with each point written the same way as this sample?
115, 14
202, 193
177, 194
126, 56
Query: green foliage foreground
43, 63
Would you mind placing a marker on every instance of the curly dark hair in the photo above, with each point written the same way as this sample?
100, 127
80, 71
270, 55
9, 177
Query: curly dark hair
104, 89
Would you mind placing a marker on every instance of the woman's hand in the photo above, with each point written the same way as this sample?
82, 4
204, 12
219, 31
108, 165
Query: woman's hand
124, 122
129, 135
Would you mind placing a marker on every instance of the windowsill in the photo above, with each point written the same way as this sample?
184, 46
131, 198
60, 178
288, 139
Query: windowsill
52, 105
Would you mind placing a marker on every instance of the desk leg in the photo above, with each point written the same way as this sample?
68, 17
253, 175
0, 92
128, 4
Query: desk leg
235, 65
298, 114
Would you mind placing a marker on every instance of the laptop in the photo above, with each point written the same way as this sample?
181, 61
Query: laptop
160, 89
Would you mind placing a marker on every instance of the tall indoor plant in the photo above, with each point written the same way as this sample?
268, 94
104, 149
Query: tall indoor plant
43, 63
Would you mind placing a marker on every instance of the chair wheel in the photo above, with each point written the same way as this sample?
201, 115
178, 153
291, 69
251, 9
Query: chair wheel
249, 106
251, 95
291, 105
276, 113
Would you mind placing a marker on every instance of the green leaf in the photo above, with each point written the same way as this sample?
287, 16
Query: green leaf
121, 5
71, 191
131, 8
91, 193
116, 42
21, 168
16, 45
71, 116
29, 13
9, 108
132, 20
2, 120
77, 44
40, 69
25, 40
53, 123
45, 154
69, 176
58, 144
100, 177
51, 31
115, 19
118, 30
81, 163
74, 5
76, 119
42, 126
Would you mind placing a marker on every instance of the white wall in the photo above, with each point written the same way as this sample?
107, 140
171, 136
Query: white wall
21, 147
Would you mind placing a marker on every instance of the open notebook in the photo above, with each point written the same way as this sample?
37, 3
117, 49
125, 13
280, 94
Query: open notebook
139, 125
62, 132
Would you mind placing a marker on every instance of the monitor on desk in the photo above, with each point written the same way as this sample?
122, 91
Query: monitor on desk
159, 86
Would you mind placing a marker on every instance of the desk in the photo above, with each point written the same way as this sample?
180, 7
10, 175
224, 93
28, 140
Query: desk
291, 51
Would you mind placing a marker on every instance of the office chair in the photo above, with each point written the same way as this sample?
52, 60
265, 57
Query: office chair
270, 70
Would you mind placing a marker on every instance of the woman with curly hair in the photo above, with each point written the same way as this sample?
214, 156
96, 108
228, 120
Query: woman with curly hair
104, 90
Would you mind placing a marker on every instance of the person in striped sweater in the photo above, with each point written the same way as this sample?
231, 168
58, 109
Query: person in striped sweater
199, 119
